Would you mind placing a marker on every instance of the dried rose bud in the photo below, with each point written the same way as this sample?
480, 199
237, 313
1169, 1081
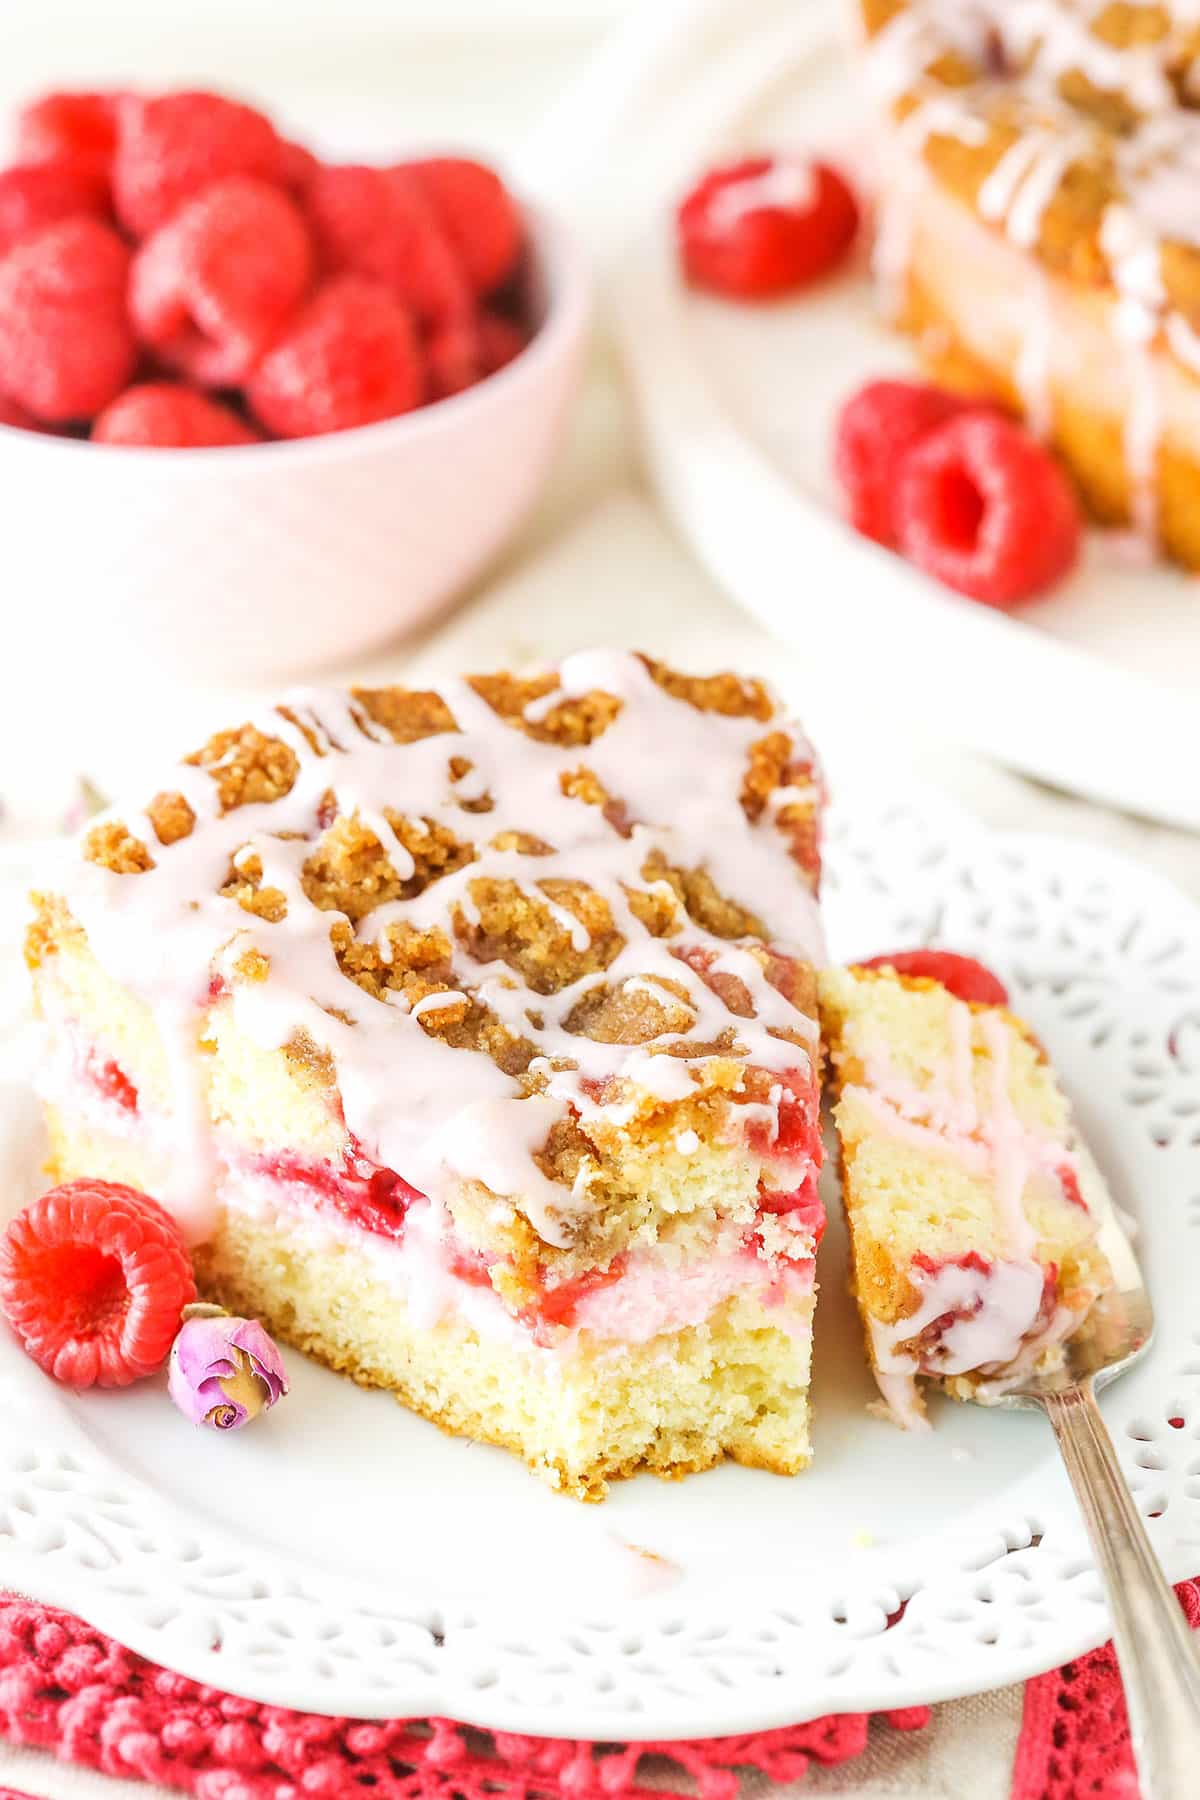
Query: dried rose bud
223, 1371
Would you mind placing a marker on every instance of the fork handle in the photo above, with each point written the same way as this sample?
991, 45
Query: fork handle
1154, 1646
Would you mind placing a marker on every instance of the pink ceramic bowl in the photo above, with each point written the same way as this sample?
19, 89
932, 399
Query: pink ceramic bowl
280, 557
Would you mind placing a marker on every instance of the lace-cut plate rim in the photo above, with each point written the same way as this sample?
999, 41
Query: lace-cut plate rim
346, 1557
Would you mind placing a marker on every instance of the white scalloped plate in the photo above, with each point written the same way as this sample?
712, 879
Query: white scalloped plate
344, 1556
737, 405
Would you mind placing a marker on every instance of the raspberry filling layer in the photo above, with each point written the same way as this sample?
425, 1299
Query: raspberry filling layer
630, 1298
372, 1198
637, 1298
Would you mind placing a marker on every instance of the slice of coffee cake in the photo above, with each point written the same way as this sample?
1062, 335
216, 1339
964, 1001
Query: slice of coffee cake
973, 1207
470, 1034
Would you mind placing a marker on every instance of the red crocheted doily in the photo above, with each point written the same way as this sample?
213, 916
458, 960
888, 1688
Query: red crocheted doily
1075, 1730
69, 1689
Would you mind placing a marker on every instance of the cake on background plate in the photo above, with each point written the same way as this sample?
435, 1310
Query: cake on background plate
470, 1034
972, 1205
1038, 230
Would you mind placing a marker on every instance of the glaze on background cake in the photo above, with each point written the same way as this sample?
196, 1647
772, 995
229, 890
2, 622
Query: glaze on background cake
1039, 230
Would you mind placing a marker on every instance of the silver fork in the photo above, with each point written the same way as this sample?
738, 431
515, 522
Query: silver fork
1159, 1663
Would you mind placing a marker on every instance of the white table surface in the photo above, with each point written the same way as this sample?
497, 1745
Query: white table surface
595, 565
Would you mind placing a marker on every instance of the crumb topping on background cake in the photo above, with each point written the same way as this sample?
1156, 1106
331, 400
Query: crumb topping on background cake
1072, 125
506, 910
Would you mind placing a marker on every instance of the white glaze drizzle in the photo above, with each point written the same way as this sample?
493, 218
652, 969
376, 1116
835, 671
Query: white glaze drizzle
789, 182
434, 1114
998, 1333
1157, 165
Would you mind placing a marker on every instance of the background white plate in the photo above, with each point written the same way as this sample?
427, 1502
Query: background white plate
344, 1556
1092, 688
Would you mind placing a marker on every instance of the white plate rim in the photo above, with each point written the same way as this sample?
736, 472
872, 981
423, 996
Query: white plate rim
80, 1532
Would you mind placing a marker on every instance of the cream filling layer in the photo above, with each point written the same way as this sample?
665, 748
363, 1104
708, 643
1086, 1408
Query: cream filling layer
652, 1297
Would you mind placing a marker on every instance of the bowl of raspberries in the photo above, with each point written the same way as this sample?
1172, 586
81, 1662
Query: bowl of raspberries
261, 410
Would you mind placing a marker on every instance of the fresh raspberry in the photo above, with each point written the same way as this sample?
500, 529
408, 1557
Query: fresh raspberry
876, 429
984, 507
80, 125
297, 165
34, 195
164, 416
378, 223
93, 1278
66, 348
961, 976
350, 358
500, 342
765, 226
12, 414
213, 289
170, 148
453, 358
477, 214
459, 354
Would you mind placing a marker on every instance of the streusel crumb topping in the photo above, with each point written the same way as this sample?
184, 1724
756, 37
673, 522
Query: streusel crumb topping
501, 907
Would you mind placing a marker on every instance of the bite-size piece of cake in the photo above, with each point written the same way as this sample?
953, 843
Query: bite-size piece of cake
470, 1033
973, 1207
1037, 229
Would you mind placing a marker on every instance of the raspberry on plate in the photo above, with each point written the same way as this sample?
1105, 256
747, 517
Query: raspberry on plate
171, 148
379, 224
477, 213
163, 415
984, 507
297, 165
12, 414
876, 429
211, 290
961, 976
79, 125
66, 348
34, 195
350, 358
764, 226
93, 1279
